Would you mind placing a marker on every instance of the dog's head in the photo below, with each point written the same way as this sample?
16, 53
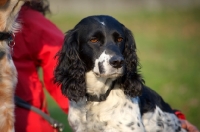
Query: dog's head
8, 13
100, 44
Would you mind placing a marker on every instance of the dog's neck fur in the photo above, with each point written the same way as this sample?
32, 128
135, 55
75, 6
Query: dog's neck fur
97, 85
101, 114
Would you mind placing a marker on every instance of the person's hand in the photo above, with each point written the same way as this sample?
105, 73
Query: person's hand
188, 126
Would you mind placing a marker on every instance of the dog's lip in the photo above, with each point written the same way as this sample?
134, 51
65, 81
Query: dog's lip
116, 74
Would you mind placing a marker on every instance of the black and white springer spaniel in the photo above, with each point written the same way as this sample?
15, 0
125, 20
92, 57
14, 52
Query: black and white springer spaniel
98, 71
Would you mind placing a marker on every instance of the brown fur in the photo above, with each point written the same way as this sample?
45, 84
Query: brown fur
3, 2
8, 73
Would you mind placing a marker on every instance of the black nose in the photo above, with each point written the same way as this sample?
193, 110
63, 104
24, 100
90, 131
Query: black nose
116, 61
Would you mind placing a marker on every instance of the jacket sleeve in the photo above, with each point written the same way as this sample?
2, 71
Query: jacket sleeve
179, 114
47, 40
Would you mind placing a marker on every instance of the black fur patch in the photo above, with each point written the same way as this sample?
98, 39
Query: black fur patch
2, 54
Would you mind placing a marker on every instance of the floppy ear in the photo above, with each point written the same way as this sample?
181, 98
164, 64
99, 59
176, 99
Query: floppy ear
131, 81
70, 70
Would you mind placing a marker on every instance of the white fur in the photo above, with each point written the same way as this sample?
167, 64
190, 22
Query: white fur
103, 23
168, 122
117, 113
77, 115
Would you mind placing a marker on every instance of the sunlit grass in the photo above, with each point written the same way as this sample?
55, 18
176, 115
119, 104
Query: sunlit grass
168, 44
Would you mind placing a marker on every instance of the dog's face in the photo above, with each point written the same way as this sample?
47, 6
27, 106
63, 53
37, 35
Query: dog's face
102, 45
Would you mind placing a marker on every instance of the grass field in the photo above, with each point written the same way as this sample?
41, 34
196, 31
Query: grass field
168, 45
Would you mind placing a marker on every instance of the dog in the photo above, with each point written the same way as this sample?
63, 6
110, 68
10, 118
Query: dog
8, 74
98, 70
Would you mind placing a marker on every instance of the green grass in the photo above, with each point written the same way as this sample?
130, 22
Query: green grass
168, 44
57, 113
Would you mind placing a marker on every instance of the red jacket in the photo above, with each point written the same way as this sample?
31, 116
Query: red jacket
36, 44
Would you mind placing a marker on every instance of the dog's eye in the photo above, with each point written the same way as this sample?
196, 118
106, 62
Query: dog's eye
119, 39
94, 40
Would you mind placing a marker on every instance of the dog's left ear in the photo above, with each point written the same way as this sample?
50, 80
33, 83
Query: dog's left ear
131, 81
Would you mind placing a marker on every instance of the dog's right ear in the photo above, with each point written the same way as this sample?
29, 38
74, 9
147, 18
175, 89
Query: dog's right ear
70, 70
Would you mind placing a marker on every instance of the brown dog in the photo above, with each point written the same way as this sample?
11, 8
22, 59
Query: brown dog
8, 74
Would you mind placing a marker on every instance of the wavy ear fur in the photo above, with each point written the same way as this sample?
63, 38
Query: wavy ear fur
131, 81
70, 70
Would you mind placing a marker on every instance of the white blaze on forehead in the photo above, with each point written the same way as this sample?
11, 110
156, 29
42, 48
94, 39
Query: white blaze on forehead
103, 23
102, 58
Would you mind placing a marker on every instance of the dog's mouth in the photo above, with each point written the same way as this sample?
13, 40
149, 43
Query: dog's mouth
116, 74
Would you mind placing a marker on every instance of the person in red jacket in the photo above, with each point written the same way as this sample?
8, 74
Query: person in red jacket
36, 44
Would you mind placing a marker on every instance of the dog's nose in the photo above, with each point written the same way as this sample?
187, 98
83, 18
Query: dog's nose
116, 61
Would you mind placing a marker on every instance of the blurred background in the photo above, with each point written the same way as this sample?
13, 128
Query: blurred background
167, 34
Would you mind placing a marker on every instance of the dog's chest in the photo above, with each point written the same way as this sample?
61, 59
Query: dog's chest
114, 115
